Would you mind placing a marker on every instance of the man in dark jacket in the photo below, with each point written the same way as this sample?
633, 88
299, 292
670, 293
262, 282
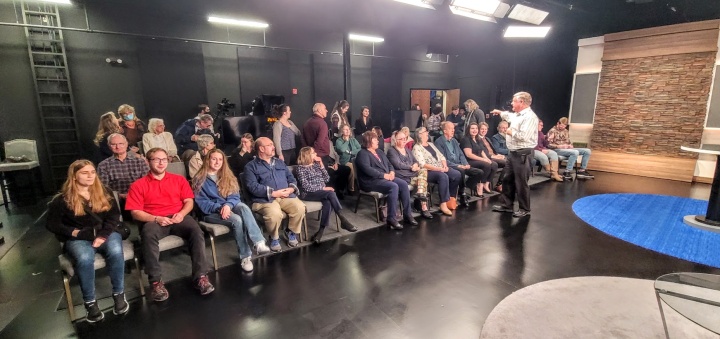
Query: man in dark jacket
186, 135
315, 134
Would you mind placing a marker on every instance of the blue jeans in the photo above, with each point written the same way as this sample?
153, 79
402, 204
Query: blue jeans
243, 223
83, 256
572, 155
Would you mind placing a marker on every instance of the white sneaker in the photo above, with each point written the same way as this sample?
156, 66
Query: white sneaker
246, 264
262, 248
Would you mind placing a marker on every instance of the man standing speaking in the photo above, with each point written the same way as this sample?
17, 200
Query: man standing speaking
521, 139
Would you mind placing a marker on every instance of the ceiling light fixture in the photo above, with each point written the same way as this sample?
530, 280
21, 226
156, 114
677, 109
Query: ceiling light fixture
526, 31
476, 9
470, 14
358, 37
419, 3
528, 14
60, 2
235, 22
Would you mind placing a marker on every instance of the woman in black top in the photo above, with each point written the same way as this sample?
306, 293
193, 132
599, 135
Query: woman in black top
84, 216
241, 155
364, 123
478, 157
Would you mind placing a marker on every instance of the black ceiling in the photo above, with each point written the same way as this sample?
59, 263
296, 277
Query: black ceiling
408, 27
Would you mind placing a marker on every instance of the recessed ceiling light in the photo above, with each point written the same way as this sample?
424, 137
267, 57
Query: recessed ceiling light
472, 15
61, 2
367, 38
528, 14
419, 3
482, 6
245, 23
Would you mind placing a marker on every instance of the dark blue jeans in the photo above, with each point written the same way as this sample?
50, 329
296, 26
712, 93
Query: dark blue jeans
329, 201
397, 188
448, 183
83, 256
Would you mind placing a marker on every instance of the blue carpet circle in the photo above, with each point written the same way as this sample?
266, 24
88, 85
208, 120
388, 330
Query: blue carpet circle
654, 222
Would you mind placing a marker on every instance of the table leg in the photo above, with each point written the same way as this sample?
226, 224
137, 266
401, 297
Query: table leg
3, 188
662, 314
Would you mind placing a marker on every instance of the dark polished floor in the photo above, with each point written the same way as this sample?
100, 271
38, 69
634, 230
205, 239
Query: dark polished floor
438, 280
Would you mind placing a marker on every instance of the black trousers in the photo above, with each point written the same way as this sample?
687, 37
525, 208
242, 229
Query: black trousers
515, 181
290, 156
474, 177
488, 169
339, 177
329, 202
187, 229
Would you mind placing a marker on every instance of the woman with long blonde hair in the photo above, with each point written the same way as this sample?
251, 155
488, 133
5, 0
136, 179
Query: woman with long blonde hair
217, 194
108, 125
84, 216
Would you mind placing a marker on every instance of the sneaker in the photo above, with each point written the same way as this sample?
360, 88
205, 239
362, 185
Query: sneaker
261, 248
93, 312
121, 304
521, 213
246, 264
292, 240
584, 174
159, 292
204, 285
275, 245
567, 175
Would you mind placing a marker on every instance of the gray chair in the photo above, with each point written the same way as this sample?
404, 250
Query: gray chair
213, 231
177, 168
377, 196
68, 271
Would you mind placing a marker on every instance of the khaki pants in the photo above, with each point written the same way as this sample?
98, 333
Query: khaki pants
273, 214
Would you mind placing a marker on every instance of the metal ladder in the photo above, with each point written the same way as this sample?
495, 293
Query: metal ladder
52, 86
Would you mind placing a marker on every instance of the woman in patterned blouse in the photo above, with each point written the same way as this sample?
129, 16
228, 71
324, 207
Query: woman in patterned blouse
312, 177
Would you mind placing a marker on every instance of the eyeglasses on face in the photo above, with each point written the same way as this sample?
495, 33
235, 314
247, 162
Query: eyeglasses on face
159, 160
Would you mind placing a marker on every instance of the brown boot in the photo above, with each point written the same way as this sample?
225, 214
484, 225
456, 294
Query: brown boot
554, 171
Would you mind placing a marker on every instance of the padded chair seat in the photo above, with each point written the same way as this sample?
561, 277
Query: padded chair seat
214, 229
312, 206
18, 166
170, 242
66, 264
376, 195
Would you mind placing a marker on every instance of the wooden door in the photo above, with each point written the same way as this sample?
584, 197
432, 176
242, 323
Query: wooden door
452, 98
422, 98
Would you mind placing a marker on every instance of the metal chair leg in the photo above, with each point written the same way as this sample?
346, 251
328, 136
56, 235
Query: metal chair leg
357, 202
377, 209
303, 231
214, 254
68, 296
139, 276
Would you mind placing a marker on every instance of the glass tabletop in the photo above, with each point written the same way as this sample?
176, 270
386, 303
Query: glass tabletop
702, 148
696, 296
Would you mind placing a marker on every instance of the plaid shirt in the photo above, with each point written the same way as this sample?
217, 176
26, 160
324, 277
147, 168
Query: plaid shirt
312, 178
119, 175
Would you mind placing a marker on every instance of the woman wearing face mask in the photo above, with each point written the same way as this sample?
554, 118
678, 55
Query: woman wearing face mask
133, 128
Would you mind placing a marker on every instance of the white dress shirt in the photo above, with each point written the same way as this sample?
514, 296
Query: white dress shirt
524, 127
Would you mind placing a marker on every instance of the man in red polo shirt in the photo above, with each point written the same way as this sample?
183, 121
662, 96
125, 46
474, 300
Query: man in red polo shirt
162, 201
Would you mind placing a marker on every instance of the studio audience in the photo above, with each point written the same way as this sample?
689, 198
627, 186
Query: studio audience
242, 154
132, 128
205, 143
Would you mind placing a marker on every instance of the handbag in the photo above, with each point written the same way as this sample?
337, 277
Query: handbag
120, 228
